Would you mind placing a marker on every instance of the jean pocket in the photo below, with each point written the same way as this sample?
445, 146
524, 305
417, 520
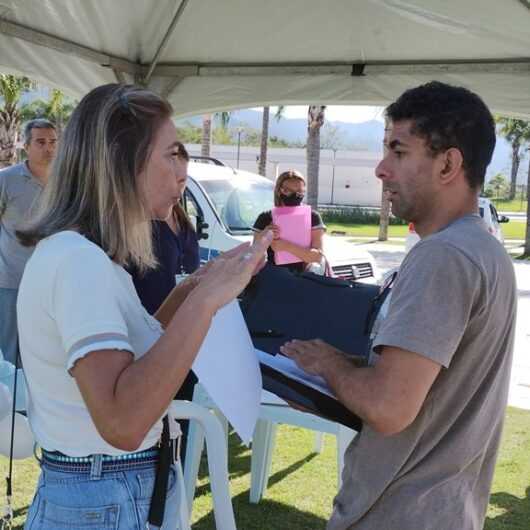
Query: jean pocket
101, 517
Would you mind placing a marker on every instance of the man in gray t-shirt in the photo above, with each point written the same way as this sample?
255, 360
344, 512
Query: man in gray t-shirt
433, 402
20, 186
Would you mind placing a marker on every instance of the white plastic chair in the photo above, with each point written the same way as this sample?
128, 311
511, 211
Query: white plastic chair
273, 410
211, 429
273, 413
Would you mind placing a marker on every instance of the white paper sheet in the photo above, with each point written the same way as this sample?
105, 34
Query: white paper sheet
290, 368
228, 368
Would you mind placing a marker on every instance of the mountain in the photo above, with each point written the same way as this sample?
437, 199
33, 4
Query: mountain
356, 136
367, 135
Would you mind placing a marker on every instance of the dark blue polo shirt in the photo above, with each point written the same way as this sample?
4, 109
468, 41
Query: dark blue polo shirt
176, 254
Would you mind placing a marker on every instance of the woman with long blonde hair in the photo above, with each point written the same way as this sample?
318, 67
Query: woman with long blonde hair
101, 371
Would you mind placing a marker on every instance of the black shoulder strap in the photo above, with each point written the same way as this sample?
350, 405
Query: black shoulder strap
158, 499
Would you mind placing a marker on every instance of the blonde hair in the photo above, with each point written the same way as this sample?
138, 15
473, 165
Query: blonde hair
286, 175
94, 185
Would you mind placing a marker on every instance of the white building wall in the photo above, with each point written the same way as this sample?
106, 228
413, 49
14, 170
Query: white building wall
351, 174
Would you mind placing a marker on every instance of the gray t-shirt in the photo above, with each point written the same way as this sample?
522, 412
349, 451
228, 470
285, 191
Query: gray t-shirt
18, 193
454, 302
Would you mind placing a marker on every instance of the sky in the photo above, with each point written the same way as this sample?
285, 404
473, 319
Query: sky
345, 113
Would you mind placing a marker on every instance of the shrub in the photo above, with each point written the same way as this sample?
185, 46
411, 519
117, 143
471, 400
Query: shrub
348, 215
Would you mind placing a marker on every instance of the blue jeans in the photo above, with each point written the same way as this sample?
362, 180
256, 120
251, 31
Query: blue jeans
117, 500
8, 324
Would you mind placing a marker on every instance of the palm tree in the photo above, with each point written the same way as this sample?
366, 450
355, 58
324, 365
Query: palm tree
515, 131
384, 217
264, 143
56, 109
59, 110
315, 121
11, 89
527, 235
206, 141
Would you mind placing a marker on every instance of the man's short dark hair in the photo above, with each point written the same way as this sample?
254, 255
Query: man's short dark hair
447, 116
38, 123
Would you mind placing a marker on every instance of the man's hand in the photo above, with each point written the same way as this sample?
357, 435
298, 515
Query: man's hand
313, 356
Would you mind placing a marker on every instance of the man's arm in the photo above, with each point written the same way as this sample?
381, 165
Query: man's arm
387, 396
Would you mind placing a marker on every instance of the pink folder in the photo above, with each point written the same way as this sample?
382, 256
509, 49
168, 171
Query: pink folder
295, 226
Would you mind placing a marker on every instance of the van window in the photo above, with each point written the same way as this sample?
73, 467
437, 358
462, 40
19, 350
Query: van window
192, 208
239, 201
494, 215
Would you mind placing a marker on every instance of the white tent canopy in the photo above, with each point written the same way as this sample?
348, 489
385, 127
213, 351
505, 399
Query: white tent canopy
208, 55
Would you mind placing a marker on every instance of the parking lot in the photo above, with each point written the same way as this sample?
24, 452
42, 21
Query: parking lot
389, 256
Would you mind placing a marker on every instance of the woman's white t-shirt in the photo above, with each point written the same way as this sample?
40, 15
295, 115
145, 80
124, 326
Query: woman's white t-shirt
73, 300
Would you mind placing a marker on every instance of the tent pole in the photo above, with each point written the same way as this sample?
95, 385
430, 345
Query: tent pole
119, 76
166, 92
40, 38
165, 41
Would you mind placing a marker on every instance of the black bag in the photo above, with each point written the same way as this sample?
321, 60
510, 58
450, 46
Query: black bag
280, 305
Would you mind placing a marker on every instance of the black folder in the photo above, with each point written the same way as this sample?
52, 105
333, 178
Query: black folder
307, 397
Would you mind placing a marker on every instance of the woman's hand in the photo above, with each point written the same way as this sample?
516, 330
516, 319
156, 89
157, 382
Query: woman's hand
307, 255
227, 275
195, 277
274, 228
279, 245
181, 291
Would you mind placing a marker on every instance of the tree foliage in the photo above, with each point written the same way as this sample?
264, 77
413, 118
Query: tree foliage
332, 137
497, 187
517, 133
57, 109
12, 88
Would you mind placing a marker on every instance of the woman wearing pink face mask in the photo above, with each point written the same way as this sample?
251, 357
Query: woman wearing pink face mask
289, 190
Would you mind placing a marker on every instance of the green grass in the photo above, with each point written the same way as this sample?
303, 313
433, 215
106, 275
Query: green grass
511, 230
302, 484
509, 507
362, 230
504, 205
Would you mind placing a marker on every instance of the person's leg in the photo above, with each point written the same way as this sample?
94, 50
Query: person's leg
8, 324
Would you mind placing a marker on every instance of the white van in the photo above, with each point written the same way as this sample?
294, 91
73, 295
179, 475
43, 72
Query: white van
223, 204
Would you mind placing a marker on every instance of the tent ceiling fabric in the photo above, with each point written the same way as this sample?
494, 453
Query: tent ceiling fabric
216, 55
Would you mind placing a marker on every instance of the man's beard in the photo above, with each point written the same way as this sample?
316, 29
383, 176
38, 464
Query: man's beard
402, 209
